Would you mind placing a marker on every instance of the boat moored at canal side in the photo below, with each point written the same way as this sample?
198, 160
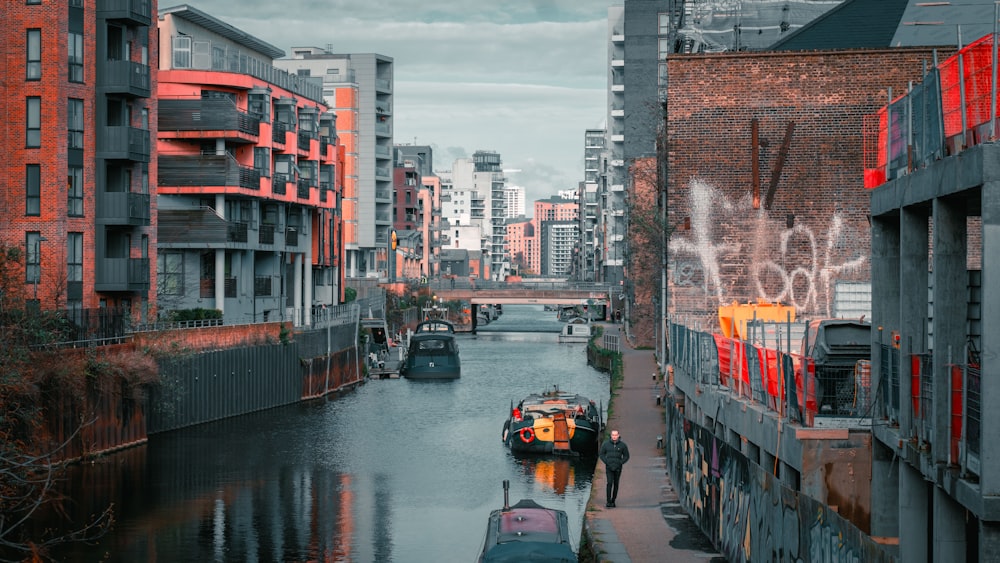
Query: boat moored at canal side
554, 422
433, 352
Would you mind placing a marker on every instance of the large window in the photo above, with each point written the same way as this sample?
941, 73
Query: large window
181, 52
262, 161
74, 188
74, 118
74, 257
75, 44
170, 273
33, 190
33, 257
33, 122
34, 62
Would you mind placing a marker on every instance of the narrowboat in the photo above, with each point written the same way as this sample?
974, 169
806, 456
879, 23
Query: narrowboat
576, 329
432, 352
526, 532
554, 422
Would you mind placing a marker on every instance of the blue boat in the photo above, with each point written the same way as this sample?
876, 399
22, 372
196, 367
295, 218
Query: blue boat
433, 352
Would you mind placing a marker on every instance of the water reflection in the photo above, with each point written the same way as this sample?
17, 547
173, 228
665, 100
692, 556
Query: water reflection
396, 471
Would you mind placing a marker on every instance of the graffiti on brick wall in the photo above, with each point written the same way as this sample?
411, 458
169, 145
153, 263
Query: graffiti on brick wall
799, 264
748, 513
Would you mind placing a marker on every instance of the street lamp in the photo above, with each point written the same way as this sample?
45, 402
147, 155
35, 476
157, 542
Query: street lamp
38, 264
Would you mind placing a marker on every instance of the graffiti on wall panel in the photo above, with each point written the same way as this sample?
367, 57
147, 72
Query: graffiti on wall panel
748, 513
799, 266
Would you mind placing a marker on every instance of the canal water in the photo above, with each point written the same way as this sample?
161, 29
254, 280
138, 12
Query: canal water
395, 471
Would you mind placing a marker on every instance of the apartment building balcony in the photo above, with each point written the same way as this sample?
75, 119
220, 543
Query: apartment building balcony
618, 138
279, 132
302, 188
618, 187
618, 61
617, 113
265, 234
291, 237
383, 85
123, 143
383, 173
121, 274
122, 208
617, 36
206, 170
305, 140
618, 87
383, 195
126, 78
194, 118
383, 151
279, 183
133, 12
618, 163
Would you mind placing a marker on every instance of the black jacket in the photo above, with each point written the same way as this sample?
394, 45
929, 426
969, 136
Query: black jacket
614, 454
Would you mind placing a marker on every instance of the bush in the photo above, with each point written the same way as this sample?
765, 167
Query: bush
196, 314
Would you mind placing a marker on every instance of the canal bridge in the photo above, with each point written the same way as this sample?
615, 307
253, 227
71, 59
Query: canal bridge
483, 292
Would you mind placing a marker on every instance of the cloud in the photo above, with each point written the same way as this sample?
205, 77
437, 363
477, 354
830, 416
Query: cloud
524, 78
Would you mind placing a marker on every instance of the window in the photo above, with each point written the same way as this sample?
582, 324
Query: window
74, 257
33, 190
33, 257
33, 2
664, 28
181, 52
33, 122
218, 57
34, 43
262, 161
75, 44
74, 118
74, 187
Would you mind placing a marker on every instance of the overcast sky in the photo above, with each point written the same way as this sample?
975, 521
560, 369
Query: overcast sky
524, 78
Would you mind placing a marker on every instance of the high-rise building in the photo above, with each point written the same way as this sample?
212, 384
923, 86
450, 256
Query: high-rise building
432, 229
79, 173
473, 194
359, 89
514, 201
248, 195
589, 246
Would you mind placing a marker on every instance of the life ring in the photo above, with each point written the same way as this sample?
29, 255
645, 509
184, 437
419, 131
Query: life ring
527, 435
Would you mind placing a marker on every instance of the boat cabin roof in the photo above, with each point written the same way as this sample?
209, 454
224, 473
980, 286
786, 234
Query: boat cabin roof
435, 325
527, 530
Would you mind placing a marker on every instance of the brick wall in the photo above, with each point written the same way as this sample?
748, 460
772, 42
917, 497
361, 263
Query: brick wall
212, 338
811, 226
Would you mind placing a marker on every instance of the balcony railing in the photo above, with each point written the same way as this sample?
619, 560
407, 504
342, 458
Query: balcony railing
237, 232
126, 77
206, 170
206, 287
205, 115
291, 237
122, 274
138, 12
123, 208
278, 131
303, 186
278, 183
123, 143
265, 286
305, 138
266, 234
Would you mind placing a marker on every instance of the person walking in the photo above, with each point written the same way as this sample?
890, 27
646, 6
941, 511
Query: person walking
614, 454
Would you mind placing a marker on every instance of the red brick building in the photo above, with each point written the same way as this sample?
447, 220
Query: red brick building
766, 166
79, 173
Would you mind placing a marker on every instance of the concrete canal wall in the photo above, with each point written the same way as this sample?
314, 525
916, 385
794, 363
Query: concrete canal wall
747, 512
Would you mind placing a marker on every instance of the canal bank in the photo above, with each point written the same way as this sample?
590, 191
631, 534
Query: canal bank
648, 522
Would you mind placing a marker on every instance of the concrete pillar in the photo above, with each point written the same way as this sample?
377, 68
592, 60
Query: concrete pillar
885, 492
990, 391
913, 515
913, 279
885, 301
220, 255
297, 291
307, 290
950, 289
949, 528
989, 540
